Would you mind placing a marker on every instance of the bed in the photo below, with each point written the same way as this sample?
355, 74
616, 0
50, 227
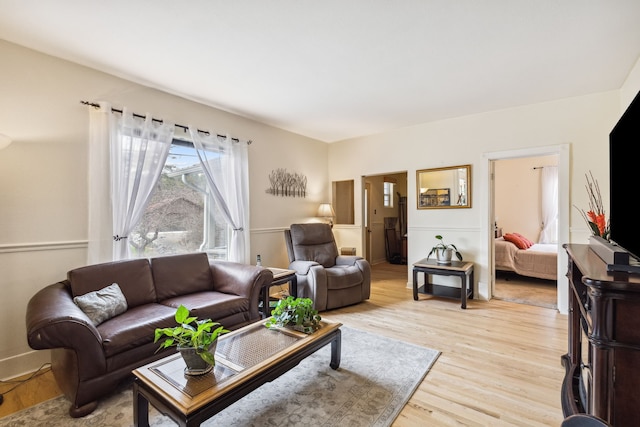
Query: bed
540, 260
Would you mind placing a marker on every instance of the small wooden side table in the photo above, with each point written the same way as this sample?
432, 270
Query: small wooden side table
280, 277
462, 269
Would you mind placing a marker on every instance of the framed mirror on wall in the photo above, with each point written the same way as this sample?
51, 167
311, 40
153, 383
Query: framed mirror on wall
343, 201
444, 188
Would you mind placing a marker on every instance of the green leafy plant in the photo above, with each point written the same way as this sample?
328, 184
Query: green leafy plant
191, 332
296, 313
442, 246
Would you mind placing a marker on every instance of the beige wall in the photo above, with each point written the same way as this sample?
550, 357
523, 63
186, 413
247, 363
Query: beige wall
43, 174
583, 123
630, 88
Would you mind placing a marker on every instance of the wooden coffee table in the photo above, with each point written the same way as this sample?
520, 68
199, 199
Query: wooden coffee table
245, 359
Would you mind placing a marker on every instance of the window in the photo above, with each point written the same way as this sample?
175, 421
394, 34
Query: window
388, 194
181, 216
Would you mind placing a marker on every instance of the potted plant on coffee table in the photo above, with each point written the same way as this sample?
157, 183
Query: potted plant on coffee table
195, 339
444, 251
295, 313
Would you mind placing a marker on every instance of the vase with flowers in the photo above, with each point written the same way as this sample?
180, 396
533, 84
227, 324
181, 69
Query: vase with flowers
595, 217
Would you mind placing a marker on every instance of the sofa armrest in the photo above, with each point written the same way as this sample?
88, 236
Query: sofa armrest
53, 320
241, 279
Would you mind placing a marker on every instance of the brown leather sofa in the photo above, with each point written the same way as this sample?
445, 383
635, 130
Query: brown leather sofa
89, 361
329, 279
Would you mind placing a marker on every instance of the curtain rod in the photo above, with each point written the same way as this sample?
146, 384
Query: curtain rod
541, 167
140, 116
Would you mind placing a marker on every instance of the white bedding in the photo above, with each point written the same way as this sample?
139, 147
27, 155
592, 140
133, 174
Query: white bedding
539, 261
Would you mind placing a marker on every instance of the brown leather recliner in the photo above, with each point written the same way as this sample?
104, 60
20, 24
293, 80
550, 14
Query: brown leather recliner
329, 279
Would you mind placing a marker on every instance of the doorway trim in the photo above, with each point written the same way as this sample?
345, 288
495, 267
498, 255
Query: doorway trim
563, 153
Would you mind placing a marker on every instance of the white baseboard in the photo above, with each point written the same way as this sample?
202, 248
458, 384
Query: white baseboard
22, 364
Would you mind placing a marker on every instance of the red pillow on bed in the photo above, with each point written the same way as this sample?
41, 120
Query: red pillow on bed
529, 242
516, 240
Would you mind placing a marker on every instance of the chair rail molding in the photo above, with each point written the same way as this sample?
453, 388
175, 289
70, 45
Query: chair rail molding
43, 246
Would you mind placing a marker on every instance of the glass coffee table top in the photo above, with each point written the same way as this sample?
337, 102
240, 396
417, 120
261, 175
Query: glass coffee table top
235, 352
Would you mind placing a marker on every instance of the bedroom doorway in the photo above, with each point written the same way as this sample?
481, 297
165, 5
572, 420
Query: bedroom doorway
561, 153
523, 189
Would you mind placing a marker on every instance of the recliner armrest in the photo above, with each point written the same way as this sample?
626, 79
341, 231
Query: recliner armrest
302, 267
347, 259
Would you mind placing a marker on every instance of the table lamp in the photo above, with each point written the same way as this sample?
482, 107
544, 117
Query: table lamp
326, 211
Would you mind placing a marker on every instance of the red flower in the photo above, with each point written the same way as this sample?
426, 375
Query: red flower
595, 216
601, 223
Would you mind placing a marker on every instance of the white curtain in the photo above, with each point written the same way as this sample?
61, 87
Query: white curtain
226, 167
100, 233
133, 159
549, 178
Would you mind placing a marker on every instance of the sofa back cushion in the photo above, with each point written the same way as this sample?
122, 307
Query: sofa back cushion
132, 276
181, 274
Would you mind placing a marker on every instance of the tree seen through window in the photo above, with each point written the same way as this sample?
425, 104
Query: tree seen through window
181, 216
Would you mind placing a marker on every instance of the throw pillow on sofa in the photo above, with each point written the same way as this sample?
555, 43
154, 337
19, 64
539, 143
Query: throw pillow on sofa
103, 304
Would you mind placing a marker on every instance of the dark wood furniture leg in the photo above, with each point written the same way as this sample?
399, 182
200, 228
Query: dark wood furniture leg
140, 408
293, 286
336, 350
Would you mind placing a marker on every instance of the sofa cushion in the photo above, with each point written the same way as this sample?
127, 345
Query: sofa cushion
135, 327
133, 276
103, 304
210, 305
181, 274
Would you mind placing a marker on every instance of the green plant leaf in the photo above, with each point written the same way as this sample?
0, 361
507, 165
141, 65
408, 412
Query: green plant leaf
208, 357
190, 332
182, 313
292, 311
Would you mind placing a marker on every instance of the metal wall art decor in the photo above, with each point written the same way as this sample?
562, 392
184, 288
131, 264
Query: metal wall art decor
287, 184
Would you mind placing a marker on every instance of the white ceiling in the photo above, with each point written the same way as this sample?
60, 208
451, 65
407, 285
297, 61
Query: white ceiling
336, 69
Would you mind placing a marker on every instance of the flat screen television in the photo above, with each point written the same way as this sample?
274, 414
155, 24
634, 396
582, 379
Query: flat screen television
624, 175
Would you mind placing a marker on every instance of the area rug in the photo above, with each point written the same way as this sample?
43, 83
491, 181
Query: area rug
376, 378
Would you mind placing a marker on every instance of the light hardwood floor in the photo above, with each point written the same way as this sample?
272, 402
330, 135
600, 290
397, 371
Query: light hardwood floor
500, 362
526, 290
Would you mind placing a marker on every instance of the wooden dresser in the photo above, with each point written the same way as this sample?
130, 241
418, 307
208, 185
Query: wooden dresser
603, 360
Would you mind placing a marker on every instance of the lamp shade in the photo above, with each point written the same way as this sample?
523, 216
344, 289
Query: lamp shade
326, 211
